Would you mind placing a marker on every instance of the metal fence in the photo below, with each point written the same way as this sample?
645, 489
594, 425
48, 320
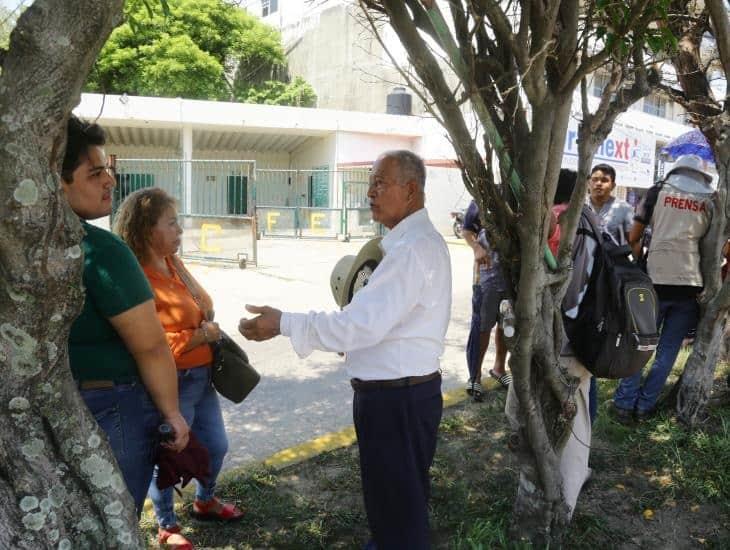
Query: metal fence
299, 221
135, 174
317, 203
226, 205
216, 203
357, 218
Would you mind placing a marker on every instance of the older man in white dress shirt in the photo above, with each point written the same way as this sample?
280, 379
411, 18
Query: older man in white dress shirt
393, 333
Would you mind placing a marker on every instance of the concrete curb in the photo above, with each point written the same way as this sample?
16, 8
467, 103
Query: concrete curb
308, 449
344, 438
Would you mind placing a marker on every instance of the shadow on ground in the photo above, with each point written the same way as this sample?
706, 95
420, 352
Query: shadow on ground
655, 486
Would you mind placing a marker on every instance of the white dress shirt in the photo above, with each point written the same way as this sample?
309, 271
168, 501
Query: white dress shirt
395, 326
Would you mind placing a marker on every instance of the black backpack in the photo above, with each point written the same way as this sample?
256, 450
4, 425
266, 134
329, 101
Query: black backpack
615, 332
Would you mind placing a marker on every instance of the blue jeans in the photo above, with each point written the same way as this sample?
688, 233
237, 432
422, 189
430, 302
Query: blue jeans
200, 408
676, 317
129, 418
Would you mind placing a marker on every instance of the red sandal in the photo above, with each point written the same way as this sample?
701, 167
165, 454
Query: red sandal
163, 534
207, 511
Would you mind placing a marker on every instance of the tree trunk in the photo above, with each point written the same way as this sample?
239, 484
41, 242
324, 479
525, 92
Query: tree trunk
545, 395
59, 483
516, 72
697, 379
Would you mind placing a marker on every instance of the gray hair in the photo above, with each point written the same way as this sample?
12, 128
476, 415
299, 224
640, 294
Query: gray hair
410, 166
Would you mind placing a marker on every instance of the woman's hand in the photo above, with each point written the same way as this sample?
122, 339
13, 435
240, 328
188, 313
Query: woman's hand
180, 429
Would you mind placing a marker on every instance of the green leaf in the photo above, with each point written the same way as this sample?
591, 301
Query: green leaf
149, 8
133, 23
655, 43
610, 40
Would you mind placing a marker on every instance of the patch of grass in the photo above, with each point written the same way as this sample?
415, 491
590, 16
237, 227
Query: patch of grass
681, 478
482, 534
699, 461
691, 464
453, 424
593, 531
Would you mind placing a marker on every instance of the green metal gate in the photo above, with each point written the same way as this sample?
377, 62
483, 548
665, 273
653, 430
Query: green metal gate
216, 203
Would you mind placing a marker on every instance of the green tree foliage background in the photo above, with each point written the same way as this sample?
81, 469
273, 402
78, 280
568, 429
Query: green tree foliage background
197, 49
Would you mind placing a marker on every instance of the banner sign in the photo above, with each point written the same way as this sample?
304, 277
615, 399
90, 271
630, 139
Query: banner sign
630, 152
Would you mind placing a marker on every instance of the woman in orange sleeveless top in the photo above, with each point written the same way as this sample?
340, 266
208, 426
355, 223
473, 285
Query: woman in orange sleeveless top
147, 221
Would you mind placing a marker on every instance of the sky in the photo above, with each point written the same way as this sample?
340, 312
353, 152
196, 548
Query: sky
12, 4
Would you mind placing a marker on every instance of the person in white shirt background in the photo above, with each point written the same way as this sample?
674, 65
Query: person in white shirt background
393, 335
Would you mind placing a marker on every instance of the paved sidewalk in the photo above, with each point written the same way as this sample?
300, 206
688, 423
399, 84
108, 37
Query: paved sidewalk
298, 400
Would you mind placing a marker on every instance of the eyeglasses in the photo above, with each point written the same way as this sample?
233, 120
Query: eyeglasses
378, 184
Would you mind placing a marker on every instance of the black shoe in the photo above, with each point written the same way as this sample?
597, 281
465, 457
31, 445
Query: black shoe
643, 416
622, 416
477, 393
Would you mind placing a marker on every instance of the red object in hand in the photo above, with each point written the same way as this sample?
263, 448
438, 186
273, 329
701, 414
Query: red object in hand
191, 462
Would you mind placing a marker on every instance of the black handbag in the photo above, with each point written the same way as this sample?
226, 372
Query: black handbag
232, 375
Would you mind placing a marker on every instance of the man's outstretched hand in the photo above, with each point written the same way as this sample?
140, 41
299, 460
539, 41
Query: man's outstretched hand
263, 327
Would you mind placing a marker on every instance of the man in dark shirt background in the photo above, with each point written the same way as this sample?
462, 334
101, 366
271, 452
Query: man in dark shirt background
493, 291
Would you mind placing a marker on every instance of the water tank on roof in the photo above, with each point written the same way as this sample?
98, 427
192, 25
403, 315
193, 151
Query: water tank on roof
399, 102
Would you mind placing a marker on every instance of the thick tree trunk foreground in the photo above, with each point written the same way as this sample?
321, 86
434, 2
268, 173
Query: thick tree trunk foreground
59, 483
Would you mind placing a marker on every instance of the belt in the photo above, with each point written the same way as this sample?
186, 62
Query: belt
103, 384
369, 385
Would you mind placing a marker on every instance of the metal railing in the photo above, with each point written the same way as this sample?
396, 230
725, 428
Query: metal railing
225, 205
216, 203
299, 221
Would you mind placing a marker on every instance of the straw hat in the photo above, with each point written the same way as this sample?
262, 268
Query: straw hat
351, 273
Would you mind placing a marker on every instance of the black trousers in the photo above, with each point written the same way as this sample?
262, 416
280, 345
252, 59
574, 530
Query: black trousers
396, 435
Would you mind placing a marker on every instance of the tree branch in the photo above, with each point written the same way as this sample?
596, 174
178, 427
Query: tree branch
721, 23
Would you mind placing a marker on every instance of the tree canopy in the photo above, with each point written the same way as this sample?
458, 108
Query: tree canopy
197, 49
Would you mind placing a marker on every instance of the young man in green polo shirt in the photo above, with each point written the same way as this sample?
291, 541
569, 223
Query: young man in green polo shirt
118, 352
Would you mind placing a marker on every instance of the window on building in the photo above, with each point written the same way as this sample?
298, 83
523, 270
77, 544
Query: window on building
268, 7
655, 105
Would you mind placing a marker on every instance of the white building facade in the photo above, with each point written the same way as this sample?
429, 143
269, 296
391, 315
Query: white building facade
330, 46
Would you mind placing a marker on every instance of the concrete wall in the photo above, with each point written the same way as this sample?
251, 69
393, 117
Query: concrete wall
142, 152
345, 65
213, 196
358, 147
445, 192
315, 153
263, 159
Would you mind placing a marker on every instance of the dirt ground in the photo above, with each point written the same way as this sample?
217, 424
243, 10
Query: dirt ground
654, 486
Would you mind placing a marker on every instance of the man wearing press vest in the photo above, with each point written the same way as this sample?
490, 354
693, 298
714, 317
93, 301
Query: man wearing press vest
680, 211
393, 333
